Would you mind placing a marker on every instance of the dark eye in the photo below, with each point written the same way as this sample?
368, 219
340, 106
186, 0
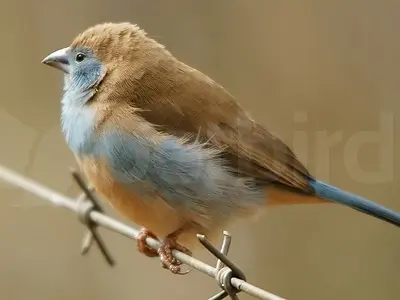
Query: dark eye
80, 57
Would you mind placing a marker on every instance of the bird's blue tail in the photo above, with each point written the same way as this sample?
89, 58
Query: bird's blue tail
328, 192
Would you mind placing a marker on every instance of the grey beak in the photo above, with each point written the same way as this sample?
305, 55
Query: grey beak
58, 59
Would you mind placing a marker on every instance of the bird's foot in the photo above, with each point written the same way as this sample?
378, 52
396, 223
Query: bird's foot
166, 257
142, 245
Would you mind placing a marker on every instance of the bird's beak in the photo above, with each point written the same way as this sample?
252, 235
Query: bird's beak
58, 59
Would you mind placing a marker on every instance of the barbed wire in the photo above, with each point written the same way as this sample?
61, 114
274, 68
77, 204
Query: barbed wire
229, 276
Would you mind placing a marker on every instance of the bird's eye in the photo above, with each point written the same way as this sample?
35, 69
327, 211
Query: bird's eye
80, 57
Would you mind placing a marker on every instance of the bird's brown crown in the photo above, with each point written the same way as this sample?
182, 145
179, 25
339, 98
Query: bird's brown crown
115, 41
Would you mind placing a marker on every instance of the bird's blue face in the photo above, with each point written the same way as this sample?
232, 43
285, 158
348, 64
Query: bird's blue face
83, 72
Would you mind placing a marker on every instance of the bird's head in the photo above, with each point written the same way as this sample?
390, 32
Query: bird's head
113, 52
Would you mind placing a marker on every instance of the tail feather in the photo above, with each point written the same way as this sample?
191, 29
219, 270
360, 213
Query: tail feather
328, 192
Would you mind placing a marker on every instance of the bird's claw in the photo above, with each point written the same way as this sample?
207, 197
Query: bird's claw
142, 245
167, 260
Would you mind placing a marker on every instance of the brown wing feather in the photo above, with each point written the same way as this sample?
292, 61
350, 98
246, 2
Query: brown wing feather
182, 100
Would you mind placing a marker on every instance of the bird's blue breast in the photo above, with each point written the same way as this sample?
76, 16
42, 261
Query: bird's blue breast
186, 176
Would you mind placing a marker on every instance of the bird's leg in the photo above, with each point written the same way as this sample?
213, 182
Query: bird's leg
142, 245
165, 252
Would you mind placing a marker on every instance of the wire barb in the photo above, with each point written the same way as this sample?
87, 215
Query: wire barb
224, 275
226, 243
230, 277
87, 202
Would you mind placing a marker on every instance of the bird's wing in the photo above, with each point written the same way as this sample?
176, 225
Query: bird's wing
188, 102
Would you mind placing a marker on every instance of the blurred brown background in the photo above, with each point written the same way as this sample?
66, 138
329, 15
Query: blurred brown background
306, 69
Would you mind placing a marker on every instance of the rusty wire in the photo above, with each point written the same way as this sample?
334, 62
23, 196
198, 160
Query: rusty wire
229, 276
